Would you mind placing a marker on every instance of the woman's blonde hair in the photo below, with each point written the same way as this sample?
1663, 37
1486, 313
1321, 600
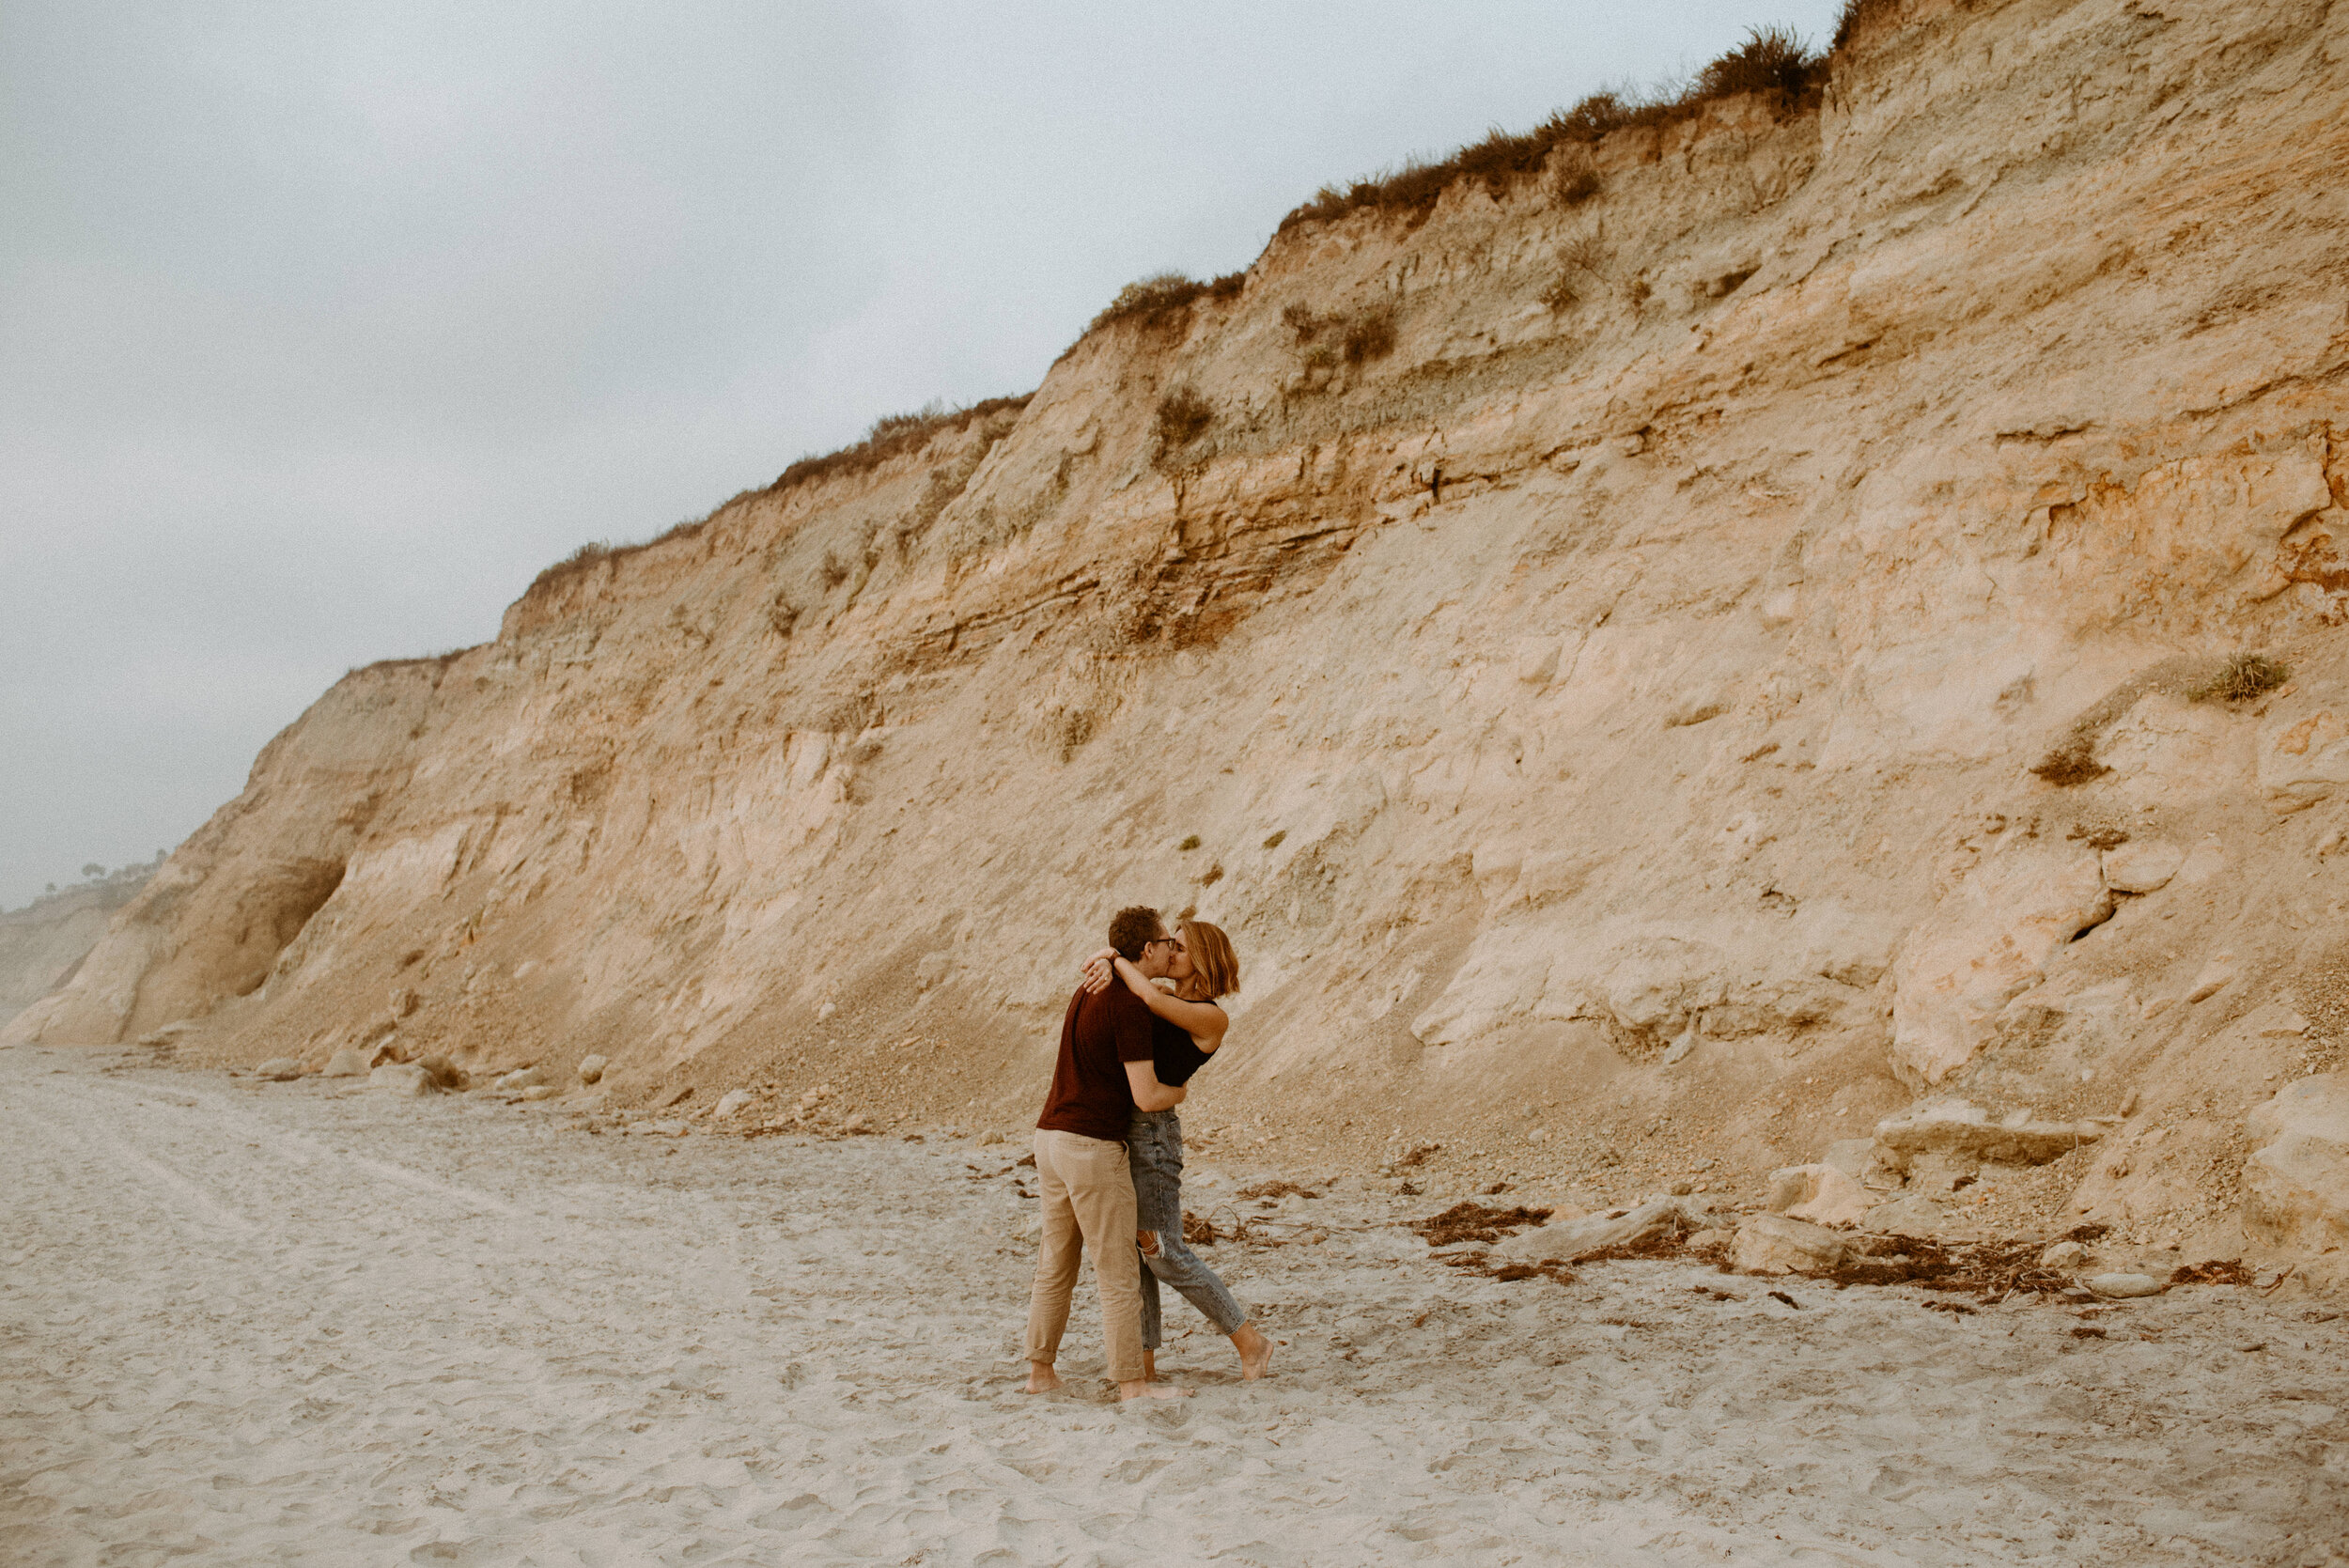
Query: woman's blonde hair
1211, 954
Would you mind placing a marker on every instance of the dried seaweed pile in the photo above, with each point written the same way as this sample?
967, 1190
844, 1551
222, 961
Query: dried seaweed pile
1276, 1189
1662, 1244
1988, 1270
1475, 1221
1992, 1270
1478, 1222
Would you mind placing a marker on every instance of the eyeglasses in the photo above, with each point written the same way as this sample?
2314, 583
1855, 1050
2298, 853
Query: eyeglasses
1156, 941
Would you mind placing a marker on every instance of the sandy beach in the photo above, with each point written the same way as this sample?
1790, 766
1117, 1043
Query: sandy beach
307, 1322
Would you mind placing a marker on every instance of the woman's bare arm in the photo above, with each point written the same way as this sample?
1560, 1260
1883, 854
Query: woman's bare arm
1204, 1022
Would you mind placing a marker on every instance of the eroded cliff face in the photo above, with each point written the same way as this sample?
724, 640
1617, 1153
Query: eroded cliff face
1607, 717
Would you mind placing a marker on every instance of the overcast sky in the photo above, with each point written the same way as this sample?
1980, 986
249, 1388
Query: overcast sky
322, 328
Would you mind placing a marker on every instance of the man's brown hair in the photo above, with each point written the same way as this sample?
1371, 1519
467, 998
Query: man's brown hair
1132, 927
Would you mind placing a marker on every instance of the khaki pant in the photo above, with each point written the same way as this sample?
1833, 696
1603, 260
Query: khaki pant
1088, 1197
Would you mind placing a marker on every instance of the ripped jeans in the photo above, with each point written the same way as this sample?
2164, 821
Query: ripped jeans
1154, 1145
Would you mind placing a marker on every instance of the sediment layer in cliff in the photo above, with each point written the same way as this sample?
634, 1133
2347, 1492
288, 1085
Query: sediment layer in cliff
1659, 666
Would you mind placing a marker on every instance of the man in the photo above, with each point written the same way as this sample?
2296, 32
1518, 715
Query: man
1104, 1074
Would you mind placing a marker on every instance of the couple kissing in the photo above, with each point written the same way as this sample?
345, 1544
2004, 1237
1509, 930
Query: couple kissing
1109, 1151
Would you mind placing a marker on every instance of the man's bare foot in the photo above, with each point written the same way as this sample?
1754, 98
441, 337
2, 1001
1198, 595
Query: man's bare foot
1145, 1388
1256, 1351
1042, 1379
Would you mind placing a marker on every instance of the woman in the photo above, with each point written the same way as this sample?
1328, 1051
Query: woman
1187, 1025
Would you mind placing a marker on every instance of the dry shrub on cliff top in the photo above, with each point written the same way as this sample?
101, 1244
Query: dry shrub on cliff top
439, 661
1161, 300
582, 559
1857, 16
1772, 61
893, 436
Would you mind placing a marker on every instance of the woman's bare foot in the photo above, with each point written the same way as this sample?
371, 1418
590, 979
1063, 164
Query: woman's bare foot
1256, 1351
1145, 1388
1042, 1379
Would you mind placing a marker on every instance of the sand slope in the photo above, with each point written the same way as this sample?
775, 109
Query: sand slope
243, 1325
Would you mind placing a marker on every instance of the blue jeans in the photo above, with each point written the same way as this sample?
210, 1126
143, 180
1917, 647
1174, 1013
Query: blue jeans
1154, 1145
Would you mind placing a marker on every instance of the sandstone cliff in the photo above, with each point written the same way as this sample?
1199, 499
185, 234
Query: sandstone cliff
1600, 637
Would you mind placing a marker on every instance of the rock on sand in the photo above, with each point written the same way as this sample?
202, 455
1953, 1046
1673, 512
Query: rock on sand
2297, 1181
1774, 1244
1568, 1239
1820, 1193
401, 1077
1910, 1214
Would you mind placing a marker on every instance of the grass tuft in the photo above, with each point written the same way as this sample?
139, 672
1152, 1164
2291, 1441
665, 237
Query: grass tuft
1162, 300
1358, 339
1562, 295
896, 435
891, 436
1856, 16
1773, 61
2244, 676
1188, 844
2072, 763
1369, 336
1183, 417
1578, 187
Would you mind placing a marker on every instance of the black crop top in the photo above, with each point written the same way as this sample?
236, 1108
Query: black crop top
1172, 1053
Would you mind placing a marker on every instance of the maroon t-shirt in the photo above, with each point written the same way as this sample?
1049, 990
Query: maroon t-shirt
1091, 1097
